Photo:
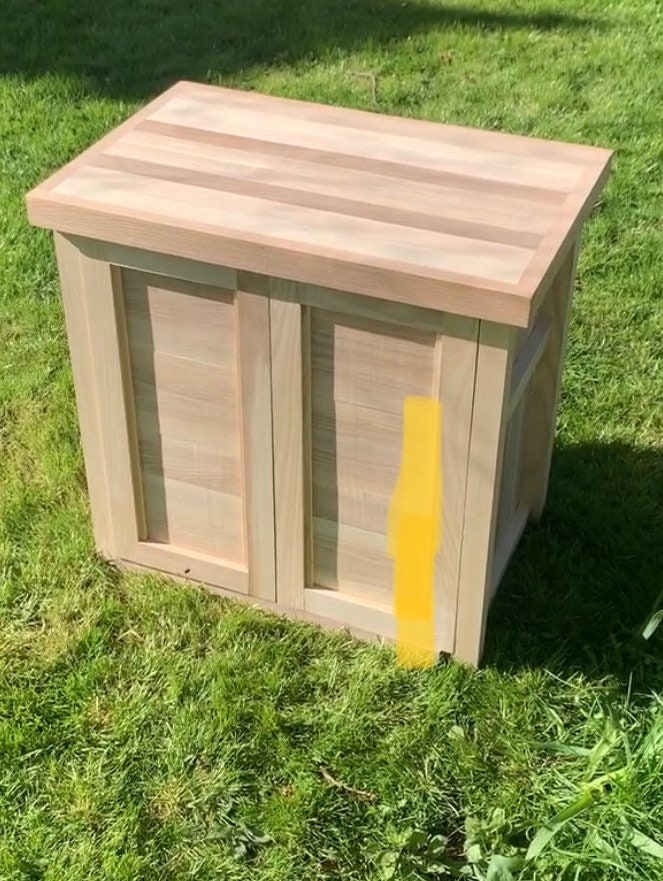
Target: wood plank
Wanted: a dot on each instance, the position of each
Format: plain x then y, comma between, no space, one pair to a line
180,319
466,160
187,417
350,611
352,560
391,313
306,228
363,362
179,146
526,362
188,565
193,517
256,440
307,440
182,356
157,264
196,239
83,366
457,352
545,387
418,213
512,144
509,497
350,502
344,191
114,402
191,462
202,381
482,496
288,433
362,372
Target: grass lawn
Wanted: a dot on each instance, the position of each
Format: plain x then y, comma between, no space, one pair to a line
150,731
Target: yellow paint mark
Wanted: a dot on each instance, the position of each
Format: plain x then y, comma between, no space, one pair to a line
414,530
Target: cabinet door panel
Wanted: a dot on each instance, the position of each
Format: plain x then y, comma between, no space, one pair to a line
362,372
187,441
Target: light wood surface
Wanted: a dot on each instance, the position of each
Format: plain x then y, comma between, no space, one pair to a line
113,392
173,384
530,353
156,264
255,401
182,347
545,386
362,371
453,219
486,458
82,359
255,288
288,416
454,378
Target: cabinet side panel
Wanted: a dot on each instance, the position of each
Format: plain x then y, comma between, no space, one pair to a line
182,341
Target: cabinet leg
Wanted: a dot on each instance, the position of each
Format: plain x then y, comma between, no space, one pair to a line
487,438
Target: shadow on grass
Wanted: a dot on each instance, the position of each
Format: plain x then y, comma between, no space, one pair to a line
585,579
134,49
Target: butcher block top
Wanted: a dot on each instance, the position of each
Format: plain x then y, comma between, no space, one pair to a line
455,219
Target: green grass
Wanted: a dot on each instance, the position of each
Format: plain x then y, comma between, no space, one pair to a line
149,731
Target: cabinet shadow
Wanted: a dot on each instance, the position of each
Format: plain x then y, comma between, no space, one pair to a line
585,579
134,50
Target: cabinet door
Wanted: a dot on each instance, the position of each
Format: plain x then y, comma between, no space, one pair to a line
183,396
344,376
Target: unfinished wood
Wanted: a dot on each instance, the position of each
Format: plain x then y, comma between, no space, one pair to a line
345,189
528,358
112,380
184,376
367,362
511,480
256,440
488,432
162,312
351,611
457,353
402,314
288,433
259,290
307,441
156,264
194,517
190,565
80,349
419,213
307,228
361,373
545,386
182,427
353,560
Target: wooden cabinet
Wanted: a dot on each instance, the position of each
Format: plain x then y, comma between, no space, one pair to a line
317,353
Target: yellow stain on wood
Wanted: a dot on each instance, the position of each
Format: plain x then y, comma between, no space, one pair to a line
414,530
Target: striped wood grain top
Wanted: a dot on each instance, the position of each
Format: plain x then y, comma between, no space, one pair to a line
455,219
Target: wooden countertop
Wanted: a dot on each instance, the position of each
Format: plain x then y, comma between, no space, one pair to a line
461,220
